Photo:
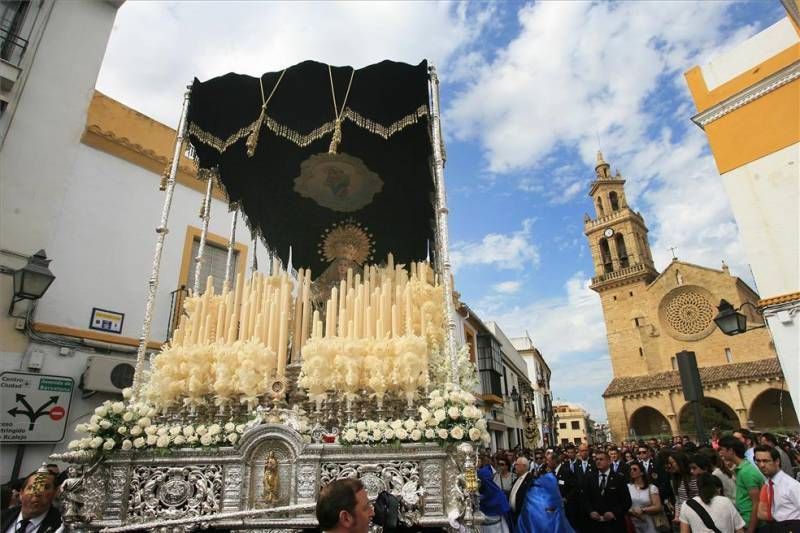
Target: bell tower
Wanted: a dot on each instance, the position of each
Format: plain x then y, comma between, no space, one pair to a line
617,235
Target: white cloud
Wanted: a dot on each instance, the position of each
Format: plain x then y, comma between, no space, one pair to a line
156,48
570,323
504,251
507,287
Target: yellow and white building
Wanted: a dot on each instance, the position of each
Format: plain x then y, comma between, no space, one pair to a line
748,104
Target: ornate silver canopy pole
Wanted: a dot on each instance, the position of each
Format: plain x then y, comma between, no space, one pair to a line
161,231
231,243
205,215
443,253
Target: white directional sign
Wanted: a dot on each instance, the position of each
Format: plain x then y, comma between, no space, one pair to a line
34,407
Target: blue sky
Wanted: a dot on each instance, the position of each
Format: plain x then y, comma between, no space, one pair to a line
529,91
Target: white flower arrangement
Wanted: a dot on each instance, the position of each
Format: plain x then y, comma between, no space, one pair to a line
450,416
116,426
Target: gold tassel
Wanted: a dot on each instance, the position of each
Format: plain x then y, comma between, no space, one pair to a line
252,139
162,186
337,137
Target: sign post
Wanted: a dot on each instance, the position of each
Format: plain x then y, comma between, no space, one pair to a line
35,407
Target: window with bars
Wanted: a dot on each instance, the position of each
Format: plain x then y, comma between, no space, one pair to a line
214,258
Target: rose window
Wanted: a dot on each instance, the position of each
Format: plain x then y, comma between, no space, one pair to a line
688,313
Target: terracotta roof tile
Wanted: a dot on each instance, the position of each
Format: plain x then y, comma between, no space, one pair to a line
708,375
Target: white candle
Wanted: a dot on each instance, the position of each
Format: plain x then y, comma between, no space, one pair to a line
282,340
395,322
333,302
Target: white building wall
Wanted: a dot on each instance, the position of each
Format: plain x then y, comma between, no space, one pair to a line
765,195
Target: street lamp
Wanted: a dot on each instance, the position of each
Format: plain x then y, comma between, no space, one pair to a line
514,394
730,321
32,280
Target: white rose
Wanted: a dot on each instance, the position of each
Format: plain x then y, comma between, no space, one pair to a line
377,434
401,433
233,437
74,444
388,434
151,440
213,429
122,430
151,430
371,425
481,424
191,439
109,444
435,393
475,434
396,424
127,417
162,441
409,424
439,415
175,431
127,392
152,412
135,431
188,431
230,427
350,435
92,428
363,436
81,428
361,426
486,439
138,443
179,439
416,435
96,442
105,424
117,407
424,414
201,430
457,433
454,413
442,433
421,425
101,411
430,434
127,445
206,439
162,431
240,428
431,422
437,403
144,422
94,419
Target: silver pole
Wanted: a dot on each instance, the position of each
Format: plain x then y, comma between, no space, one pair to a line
161,231
201,248
231,242
441,222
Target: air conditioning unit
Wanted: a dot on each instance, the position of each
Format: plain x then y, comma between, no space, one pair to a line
105,373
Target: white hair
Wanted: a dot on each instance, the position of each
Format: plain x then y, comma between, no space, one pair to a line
522,459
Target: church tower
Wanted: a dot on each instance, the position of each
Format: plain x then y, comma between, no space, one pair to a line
623,264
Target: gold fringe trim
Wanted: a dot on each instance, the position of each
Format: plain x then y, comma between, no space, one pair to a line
303,140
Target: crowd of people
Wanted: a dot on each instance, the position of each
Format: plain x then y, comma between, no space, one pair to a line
739,483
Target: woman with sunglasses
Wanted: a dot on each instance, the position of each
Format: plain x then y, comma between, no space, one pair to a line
645,500
504,478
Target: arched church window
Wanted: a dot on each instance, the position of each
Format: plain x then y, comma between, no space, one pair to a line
600,211
614,199
622,252
605,255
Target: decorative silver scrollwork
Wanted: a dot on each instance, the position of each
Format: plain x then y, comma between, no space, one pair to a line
400,478
175,492
306,481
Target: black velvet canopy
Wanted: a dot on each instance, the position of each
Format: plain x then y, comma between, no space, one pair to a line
384,125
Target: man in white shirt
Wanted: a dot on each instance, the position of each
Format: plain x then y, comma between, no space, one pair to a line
35,513
746,436
780,495
520,487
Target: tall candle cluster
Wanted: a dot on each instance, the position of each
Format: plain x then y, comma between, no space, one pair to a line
376,333
231,345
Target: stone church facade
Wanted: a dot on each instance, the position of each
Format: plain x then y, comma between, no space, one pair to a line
650,316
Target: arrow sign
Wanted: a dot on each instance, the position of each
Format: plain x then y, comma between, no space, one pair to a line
39,407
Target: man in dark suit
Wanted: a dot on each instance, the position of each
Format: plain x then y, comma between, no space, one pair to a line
521,486
605,498
618,466
568,487
645,456
583,464
35,512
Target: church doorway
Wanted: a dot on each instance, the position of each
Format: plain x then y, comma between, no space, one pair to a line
716,414
772,410
647,422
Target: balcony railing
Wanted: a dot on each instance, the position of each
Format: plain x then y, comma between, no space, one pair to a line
616,274
610,218
12,46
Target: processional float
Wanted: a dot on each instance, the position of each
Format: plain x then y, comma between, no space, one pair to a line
285,380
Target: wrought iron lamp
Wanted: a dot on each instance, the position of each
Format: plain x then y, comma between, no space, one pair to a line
730,321
32,280
514,394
